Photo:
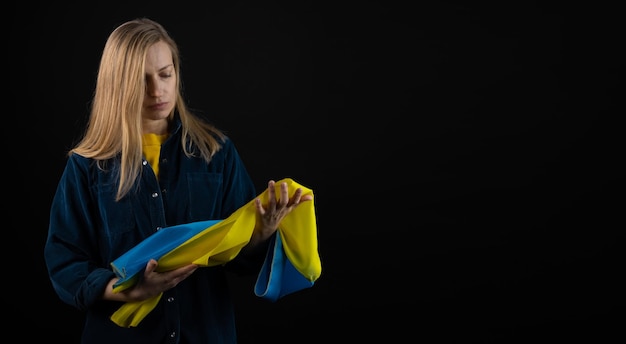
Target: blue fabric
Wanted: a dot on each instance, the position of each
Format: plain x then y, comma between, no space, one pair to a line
294,263
134,261
278,277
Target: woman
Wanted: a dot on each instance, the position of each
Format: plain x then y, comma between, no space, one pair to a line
146,162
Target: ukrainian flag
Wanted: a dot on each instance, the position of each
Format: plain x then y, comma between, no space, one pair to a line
292,263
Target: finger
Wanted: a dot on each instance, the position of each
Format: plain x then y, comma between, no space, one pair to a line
271,193
259,206
306,198
295,200
173,277
188,269
151,266
300,197
284,194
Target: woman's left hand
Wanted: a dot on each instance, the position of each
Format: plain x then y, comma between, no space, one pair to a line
272,213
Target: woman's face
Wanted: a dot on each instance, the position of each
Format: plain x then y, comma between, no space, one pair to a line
160,88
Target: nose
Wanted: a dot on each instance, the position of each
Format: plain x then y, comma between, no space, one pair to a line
154,88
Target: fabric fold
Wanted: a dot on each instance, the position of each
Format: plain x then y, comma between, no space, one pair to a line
278,277
291,264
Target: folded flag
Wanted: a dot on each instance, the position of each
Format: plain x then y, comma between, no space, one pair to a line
292,262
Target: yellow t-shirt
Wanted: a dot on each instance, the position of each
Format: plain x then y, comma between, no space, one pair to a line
151,144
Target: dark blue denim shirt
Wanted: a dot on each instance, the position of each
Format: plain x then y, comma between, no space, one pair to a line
89,229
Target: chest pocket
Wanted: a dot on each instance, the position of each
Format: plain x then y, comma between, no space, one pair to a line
117,216
205,195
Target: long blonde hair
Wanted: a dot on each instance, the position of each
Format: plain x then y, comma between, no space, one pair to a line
114,125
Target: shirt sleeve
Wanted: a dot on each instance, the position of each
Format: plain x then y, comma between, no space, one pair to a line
239,190
71,240
238,186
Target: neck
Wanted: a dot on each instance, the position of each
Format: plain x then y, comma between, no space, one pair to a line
158,127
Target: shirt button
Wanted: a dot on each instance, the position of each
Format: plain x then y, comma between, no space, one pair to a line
155,195
144,162
173,334
170,299
164,161
158,228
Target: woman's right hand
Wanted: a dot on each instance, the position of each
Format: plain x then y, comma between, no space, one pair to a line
151,284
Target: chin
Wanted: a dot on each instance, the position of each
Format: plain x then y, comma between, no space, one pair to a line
157,115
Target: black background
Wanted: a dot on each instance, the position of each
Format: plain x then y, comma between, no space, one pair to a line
464,158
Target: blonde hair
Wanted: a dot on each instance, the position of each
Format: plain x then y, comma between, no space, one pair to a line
114,125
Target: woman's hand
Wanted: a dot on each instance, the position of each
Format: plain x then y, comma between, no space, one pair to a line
151,284
272,213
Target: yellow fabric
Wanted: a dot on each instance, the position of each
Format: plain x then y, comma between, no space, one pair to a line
151,145
222,242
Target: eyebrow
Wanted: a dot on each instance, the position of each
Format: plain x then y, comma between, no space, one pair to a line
166,67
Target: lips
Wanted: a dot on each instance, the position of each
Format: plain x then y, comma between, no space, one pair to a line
158,106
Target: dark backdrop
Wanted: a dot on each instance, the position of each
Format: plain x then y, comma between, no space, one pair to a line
464,158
